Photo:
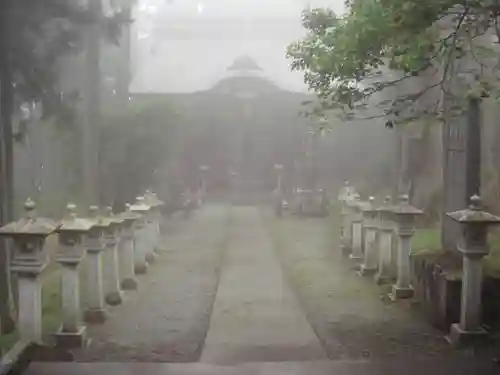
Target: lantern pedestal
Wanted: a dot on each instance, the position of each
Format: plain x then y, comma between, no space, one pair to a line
150,237
95,312
346,229
140,253
72,332
113,293
127,272
141,230
469,331
357,243
369,266
30,303
346,232
403,289
383,275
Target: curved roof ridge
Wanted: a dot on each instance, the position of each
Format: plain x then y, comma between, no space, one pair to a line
244,62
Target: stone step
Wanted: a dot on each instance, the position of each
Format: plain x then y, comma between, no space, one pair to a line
387,367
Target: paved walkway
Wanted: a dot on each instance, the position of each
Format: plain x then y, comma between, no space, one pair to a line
256,316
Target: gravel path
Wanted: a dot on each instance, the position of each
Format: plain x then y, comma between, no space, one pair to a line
166,320
348,312
256,316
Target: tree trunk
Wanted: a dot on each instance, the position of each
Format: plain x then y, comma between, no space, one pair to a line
92,109
6,165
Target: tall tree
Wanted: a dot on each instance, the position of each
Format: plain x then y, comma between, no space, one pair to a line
34,37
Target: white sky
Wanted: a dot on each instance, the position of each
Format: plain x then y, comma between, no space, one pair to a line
186,45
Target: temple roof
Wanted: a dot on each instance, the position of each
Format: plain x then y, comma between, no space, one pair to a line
244,63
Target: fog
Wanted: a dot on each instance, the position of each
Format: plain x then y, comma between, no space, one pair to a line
181,188
186,46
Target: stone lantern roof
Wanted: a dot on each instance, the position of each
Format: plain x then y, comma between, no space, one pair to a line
113,219
72,223
151,199
369,206
474,213
387,205
404,208
244,63
129,215
30,224
98,220
140,205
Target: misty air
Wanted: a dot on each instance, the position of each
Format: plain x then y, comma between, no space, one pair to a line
261,187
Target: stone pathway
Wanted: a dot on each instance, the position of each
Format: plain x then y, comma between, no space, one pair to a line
166,320
348,312
256,316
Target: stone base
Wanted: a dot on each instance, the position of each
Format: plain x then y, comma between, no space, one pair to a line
141,269
366,271
460,338
129,284
382,279
114,298
346,250
71,340
400,293
150,257
95,316
356,262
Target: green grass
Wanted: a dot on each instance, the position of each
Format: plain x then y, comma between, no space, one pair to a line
426,240
492,260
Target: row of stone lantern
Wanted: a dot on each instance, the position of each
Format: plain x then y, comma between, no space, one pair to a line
367,232
115,248
367,235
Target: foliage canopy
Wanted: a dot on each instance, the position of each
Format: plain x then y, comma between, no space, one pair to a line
347,59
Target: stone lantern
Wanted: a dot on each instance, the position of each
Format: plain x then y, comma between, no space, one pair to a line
158,204
29,260
95,311
112,291
141,235
203,188
404,215
386,230
345,220
369,212
153,226
70,254
278,192
473,245
126,250
232,185
357,230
